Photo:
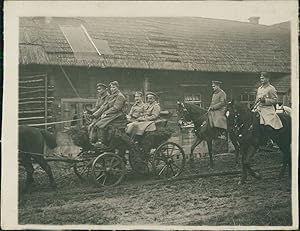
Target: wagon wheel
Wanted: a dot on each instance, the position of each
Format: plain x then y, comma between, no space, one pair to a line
168,160
108,169
82,169
139,164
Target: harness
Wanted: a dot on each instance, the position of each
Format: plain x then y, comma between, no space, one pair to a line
238,127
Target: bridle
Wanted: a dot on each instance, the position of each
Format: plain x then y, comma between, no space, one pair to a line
183,121
237,124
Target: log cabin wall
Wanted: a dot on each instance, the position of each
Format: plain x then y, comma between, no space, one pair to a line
35,99
170,85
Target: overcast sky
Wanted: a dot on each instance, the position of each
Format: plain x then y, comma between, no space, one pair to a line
270,12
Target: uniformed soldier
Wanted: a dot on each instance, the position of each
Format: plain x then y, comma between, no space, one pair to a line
266,99
115,110
137,109
146,122
217,109
100,107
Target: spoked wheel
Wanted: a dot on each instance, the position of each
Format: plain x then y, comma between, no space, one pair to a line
168,160
82,169
108,170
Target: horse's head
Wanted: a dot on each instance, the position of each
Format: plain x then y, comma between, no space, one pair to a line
190,113
238,115
183,114
232,114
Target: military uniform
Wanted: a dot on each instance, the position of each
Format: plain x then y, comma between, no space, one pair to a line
116,103
136,111
101,106
151,113
216,115
266,109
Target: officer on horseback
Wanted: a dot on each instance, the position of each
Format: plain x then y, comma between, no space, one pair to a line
217,109
266,100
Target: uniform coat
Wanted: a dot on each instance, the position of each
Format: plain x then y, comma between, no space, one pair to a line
151,113
116,104
266,109
101,106
136,111
216,115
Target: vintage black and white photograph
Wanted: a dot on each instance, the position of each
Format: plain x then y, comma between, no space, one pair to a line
183,118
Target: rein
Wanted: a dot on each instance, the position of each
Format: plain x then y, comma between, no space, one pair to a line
237,128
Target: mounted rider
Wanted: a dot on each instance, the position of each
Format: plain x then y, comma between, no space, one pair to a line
97,111
266,99
115,110
217,109
146,122
137,109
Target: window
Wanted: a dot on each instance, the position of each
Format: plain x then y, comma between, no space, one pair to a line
193,93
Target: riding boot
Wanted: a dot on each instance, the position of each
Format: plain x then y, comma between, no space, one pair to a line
101,138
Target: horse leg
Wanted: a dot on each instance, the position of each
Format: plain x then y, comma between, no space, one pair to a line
209,147
194,145
236,146
244,167
250,153
286,158
45,166
26,162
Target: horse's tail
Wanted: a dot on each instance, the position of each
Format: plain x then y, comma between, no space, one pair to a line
49,138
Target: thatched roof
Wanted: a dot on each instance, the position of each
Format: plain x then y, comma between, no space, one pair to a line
182,43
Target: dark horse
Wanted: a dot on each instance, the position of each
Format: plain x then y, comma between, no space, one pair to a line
251,134
31,148
188,112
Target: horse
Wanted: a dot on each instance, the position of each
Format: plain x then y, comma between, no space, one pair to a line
251,134
31,148
188,112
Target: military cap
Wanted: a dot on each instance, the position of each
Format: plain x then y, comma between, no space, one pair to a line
265,74
152,93
99,85
138,93
114,83
216,82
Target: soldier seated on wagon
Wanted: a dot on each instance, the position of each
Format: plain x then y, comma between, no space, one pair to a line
137,109
115,111
97,111
145,122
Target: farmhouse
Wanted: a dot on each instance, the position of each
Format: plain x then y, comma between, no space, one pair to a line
62,59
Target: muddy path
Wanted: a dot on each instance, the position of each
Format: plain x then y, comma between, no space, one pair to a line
213,200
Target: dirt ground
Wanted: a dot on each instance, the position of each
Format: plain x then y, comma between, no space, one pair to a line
190,200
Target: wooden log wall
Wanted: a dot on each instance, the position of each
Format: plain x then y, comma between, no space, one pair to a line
35,100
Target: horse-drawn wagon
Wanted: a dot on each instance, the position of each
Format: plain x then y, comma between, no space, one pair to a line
150,154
